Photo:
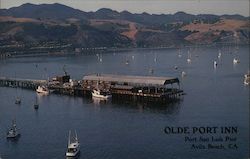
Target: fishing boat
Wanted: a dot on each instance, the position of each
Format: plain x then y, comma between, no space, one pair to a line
42,90
73,146
101,94
247,78
13,132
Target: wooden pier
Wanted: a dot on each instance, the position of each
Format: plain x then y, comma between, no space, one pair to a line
22,83
135,88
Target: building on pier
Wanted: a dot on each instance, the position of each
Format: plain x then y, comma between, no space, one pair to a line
136,87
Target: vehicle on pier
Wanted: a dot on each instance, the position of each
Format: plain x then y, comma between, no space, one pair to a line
73,149
13,132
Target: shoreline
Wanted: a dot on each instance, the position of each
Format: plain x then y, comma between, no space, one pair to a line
71,52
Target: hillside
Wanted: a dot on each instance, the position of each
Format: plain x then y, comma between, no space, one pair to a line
44,25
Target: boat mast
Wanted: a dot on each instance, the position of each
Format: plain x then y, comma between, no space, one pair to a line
69,138
76,136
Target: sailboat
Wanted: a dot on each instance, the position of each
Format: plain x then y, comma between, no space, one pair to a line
219,55
183,74
235,61
36,104
179,53
155,59
215,64
189,58
13,132
73,146
100,58
18,100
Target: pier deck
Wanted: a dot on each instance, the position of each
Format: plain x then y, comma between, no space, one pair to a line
125,87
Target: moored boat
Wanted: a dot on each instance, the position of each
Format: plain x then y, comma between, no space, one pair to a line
247,79
42,90
235,61
18,100
101,94
13,131
36,104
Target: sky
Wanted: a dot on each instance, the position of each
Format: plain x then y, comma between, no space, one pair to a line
218,7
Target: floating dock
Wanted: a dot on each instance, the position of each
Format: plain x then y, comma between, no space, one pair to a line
136,88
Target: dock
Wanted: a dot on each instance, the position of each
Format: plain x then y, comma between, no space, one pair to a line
21,83
135,88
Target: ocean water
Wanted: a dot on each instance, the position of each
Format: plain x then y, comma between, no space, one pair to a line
215,97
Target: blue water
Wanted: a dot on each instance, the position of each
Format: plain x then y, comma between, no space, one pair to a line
214,97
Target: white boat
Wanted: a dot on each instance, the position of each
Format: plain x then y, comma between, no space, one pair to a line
42,90
13,132
100,94
73,147
247,79
235,61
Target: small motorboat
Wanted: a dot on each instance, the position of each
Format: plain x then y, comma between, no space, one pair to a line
13,132
189,60
73,149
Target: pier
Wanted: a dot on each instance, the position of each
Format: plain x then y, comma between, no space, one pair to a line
135,88
21,83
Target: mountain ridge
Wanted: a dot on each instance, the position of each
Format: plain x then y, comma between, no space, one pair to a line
105,27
